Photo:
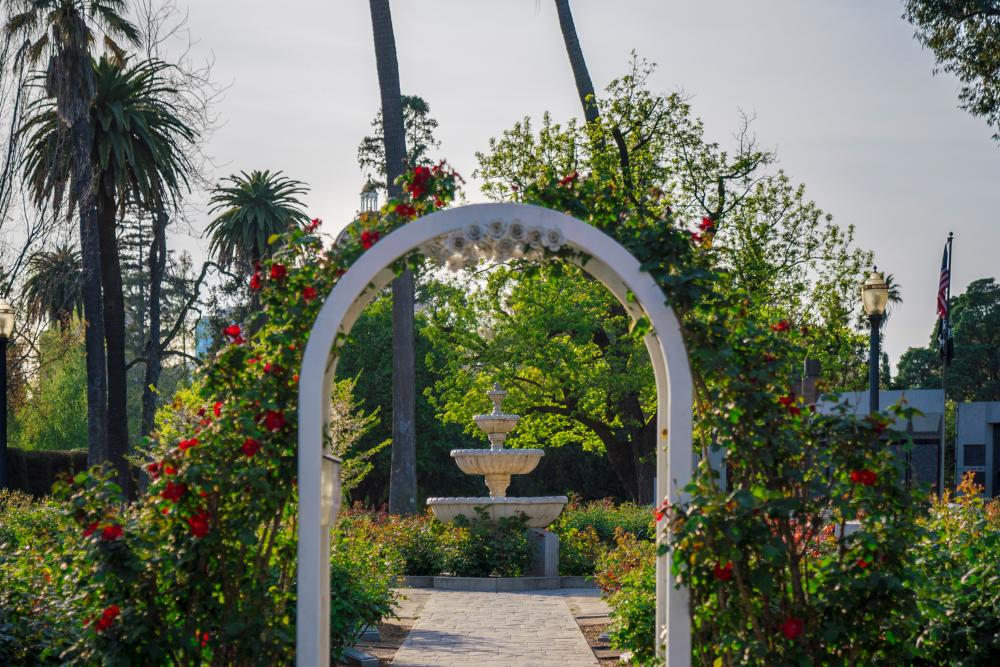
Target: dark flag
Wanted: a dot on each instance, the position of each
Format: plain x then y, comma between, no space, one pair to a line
946,343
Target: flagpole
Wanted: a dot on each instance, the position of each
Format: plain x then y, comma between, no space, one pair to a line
944,371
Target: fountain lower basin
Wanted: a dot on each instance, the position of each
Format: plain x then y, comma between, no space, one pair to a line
540,510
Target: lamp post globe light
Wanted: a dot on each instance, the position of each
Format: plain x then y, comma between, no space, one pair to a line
875,297
6,329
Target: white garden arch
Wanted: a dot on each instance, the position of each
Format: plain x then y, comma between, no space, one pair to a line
602,257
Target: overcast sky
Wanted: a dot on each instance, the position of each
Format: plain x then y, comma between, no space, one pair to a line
840,90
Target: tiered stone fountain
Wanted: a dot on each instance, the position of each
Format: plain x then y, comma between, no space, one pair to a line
497,465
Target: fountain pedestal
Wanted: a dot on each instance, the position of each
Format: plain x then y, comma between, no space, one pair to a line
497,465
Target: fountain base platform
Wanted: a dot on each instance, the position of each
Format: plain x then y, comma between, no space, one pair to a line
540,510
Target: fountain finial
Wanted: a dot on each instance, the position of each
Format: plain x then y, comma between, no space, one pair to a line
496,424
496,395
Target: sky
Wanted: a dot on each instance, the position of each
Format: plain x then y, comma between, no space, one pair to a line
840,90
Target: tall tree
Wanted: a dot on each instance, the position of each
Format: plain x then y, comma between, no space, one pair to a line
584,86
965,38
65,31
139,159
403,476
419,128
52,287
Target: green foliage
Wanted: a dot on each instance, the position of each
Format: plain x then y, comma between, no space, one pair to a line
965,38
422,544
606,518
957,582
579,550
633,615
361,594
418,128
55,417
52,289
492,548
22,519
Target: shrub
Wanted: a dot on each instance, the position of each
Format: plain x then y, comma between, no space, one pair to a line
422,544
957,580
633,614
629,553
24,520
579,551
605,517
361,577
491,548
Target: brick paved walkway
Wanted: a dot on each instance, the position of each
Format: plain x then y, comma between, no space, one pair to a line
498,629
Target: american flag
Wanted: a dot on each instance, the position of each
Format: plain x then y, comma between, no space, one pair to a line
943,284
946,343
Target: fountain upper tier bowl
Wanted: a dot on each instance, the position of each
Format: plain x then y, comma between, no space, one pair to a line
497,461
541,511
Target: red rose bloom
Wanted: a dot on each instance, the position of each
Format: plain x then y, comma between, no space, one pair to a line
865,477
250,447
418,186
695,237
107,617
569,178
787,400
723,572
274,420
111,532
370,238
792,627
153,469
255,281
405,210
185,445
278,272
198,523
660,513
862,563
234,333
794,410
173,492
217,409
780,326
313,224
707,224
169,469
309,293
89,530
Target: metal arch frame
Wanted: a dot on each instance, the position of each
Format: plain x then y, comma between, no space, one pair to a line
607,261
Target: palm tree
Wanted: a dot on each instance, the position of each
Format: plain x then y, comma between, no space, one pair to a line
584,86
52,289
251,209
403,471
139,159
64,30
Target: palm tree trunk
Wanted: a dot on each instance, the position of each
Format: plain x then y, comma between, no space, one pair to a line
82,134
584,86
114,338
157,262
403,471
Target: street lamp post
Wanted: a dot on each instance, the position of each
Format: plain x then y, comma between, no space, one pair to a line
874,296
6,329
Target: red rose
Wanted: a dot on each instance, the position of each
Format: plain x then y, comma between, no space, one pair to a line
111,532
198,523
660,512
309,293
217,409
787,400
794,410
153,469
274,420
233,331
89,530
185,445
313,224
418,186
707,224
255,281
865,477
107,617
169,469
173,492
251,361
250,447
369,238
780,326
569,178
405,210
862,563
723,572
278,272
695,237
438,202
792,627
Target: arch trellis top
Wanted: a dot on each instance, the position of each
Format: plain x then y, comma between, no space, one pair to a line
445,236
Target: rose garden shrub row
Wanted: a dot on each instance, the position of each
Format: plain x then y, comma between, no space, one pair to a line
953,574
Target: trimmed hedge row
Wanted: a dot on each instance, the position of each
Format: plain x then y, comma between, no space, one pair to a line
34,472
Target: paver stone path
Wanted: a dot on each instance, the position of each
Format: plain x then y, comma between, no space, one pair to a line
508,629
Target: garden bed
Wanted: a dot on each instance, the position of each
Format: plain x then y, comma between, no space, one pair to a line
496,584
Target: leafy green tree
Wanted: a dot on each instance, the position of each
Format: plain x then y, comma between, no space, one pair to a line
420,140
965,38
251,209
555,340
66,31
974,372
139,153
55,416
52,288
